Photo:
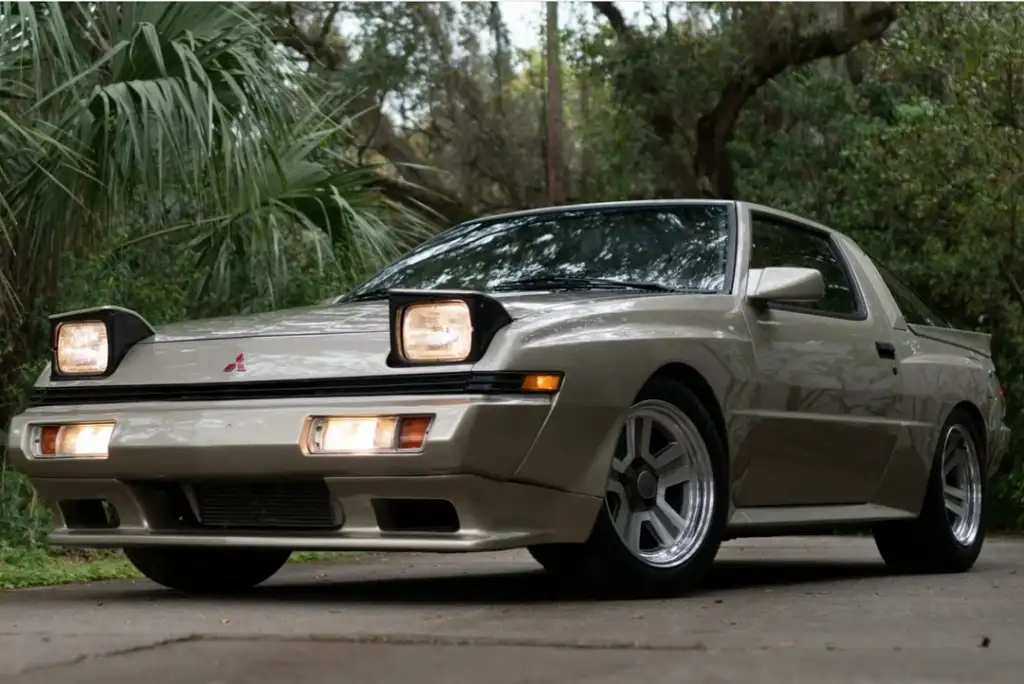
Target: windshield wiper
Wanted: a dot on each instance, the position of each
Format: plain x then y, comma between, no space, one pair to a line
571,283
551,283
378,293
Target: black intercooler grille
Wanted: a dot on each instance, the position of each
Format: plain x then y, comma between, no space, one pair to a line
504,382
255,505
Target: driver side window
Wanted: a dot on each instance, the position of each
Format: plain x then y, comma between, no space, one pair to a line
776,243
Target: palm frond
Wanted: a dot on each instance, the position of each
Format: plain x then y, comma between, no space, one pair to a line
121,110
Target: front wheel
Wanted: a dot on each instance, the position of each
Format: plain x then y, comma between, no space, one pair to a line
948,534
201,570
665,503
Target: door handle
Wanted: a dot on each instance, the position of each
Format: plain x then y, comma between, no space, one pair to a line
885,350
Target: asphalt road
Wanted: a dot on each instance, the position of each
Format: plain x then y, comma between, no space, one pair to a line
783,611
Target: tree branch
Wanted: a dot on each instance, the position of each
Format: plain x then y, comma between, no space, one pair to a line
614,16
436,203
715,128
316,48
325,28
373,131
290,12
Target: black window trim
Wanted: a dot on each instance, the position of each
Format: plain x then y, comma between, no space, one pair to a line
861,314
731,213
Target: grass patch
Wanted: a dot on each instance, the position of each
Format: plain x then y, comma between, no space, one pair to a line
38,568
21,569
321,556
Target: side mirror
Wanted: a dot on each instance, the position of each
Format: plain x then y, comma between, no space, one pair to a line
785,284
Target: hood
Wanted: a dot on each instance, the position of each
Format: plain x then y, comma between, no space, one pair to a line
353,317
357,317
349,340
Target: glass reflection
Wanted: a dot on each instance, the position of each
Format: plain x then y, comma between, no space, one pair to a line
779,244
682,247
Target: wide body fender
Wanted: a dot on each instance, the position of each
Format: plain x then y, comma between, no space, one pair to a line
608,354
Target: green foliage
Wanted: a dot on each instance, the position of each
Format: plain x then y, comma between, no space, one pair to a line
190,121
32,567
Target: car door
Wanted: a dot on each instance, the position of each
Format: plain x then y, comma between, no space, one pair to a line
825,415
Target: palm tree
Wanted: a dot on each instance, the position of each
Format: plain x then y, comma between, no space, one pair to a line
130,121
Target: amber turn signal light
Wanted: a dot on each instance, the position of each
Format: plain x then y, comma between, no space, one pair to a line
541,382
412,432
48,440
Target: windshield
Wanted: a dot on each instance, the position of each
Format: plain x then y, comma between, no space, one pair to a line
679,247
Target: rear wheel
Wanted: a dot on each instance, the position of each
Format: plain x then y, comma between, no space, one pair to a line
948,534
201,570
665,503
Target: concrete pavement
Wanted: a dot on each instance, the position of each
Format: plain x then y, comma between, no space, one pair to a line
775,610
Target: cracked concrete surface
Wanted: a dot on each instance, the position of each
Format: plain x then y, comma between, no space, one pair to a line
774,610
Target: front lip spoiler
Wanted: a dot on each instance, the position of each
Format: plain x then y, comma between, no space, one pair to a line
423,542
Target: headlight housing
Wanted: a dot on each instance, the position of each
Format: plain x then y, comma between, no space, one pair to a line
91,343
75,440
353,435
439,332
438,327
82,348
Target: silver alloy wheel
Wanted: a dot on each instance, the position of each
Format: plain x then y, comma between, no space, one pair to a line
661,489
961,484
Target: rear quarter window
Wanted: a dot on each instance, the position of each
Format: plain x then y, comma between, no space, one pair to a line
913,308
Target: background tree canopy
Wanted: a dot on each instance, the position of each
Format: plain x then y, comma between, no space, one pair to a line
194,159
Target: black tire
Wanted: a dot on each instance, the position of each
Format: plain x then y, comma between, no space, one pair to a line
203,570
927,544
603,564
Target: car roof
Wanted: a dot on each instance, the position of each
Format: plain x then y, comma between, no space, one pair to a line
752,206
626,204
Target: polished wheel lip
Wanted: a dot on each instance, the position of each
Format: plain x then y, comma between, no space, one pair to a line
961,484
679,530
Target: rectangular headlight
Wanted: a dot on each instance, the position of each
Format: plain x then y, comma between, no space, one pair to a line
437,331
82,348
78,440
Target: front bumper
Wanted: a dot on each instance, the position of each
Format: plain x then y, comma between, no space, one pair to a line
487,516
482,435
159,452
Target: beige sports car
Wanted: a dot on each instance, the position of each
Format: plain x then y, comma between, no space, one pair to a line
616,387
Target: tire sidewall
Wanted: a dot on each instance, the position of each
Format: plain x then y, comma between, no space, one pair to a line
936,500
617,559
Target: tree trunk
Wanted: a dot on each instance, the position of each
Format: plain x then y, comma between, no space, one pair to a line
555,164
499,56
585,159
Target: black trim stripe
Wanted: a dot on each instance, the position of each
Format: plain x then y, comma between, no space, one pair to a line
398,385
